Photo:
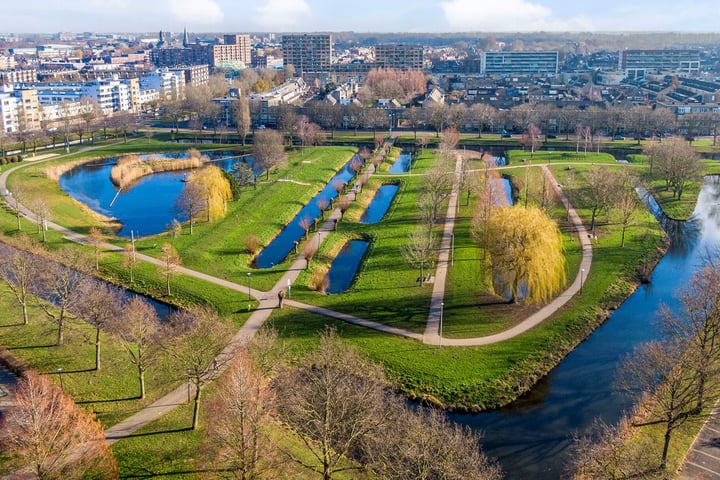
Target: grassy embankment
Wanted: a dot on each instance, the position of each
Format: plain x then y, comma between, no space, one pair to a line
482,376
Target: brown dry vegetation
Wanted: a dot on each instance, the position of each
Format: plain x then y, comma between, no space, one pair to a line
129,168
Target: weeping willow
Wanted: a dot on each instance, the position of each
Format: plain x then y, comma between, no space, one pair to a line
526,248
216,190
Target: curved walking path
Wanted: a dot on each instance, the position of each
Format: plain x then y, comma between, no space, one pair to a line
268,300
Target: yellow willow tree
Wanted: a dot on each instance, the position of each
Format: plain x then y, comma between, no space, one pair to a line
526,249
216,190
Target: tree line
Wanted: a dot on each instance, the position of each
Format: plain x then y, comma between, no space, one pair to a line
674,381
335,400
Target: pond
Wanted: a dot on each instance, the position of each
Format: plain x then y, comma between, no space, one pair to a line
531,436
402,164
380,204
344,267
280,246
147,207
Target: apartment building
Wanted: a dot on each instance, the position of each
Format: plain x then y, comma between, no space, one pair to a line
8,77
307,52
235,51
519,63
19,110
639,63
194,75
168,84
404,57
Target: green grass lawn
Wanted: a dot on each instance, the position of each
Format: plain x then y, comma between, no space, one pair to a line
111,392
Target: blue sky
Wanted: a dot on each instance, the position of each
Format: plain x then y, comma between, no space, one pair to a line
359,16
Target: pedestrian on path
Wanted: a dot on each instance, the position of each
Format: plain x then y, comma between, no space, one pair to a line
281,298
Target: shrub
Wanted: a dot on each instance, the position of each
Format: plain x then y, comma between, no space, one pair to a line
252,244
320,281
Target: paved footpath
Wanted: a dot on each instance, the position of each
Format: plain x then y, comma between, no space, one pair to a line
702,461
268,301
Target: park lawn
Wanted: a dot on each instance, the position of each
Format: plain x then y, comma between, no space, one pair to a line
218,248
472,309
111,392
32,183
169,447
385,289
519,157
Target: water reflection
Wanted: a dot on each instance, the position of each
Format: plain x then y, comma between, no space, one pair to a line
402,164
284,242
344,267
531,436
147,207
380,204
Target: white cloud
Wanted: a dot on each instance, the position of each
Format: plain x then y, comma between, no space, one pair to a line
281,14
204,12
505,15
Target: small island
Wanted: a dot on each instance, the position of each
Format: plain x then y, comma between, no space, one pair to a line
131,167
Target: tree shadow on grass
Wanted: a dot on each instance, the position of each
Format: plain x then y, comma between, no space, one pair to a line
110,400
149,434
145,473
33,346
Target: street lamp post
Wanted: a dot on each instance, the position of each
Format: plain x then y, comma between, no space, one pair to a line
452,249
59,372
249,274
442,306
582,274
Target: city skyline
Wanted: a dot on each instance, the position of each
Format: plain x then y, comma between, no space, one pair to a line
432,16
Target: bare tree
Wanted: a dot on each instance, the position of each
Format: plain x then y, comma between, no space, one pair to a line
664,373
268,150
95,238
436,186
138,331
305,223
171,262
482,116
419,252
676,162
323,205
415,118
239,428
194,340
19,270
531,138
46,433
697,324
99,304
63,285
287,119
423,443
129,260
309,252
604,453
308,132
192,202
597,195
334,399
242,117
624,199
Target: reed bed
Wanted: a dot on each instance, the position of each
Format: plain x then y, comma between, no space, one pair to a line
130,168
